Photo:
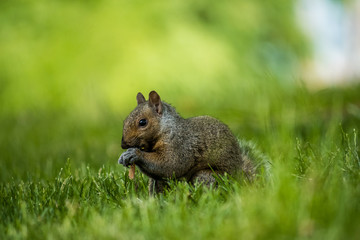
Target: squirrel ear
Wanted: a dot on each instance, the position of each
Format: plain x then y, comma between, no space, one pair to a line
155,101
140,98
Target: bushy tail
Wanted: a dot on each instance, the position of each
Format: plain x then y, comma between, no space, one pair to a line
260,163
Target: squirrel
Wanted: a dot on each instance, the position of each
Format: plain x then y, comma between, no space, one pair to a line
164,145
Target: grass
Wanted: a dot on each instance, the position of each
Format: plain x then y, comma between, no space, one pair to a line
69,74
312,193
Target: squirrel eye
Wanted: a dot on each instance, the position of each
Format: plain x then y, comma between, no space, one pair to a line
142,122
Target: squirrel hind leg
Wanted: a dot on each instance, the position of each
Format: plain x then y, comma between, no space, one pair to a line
205,177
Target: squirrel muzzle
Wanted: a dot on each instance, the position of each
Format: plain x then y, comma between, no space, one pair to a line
124,144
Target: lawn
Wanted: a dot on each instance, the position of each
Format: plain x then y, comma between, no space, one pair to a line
60,178
69,75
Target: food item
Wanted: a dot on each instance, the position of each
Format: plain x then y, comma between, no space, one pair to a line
132,172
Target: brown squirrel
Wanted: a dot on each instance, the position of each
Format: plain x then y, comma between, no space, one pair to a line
164,145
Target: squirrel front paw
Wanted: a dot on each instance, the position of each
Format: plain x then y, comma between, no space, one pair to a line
129,157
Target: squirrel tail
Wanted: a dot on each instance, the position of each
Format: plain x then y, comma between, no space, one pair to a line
261,163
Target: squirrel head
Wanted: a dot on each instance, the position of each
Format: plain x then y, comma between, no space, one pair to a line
142,127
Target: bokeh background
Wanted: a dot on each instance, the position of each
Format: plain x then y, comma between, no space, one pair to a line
70,71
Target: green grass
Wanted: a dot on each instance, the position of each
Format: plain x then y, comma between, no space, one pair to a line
69,74
313,191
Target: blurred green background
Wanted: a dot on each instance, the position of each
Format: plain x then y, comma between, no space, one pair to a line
70,71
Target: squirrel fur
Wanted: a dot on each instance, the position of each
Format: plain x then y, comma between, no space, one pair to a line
164,145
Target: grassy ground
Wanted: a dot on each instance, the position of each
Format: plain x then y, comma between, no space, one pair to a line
69,74
60,178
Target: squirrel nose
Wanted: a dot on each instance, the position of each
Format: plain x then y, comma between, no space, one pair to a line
124,145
